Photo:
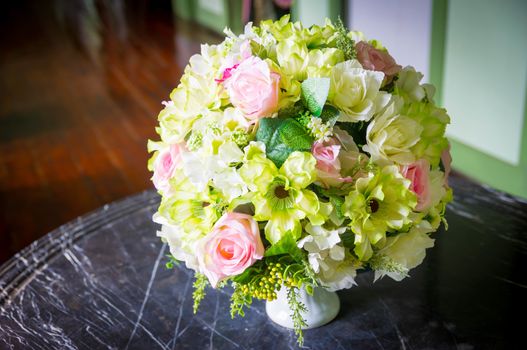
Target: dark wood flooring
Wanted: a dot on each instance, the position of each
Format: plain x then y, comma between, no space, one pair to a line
80,89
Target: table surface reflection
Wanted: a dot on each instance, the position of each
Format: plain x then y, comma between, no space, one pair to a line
100,282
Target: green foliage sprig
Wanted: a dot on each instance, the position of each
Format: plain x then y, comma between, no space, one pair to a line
303,118
172,262
344,42
200,283
239,300
297,309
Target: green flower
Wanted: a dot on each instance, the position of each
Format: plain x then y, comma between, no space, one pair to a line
379,202
291,56
188,208
322,61
290,87
314,36
280,29
408,85
280,195
197,92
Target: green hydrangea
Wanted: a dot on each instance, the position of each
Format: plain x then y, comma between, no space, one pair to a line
433,121
188,208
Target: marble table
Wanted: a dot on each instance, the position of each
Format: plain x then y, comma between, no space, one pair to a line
100,282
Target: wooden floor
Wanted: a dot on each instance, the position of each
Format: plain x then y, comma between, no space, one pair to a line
80,89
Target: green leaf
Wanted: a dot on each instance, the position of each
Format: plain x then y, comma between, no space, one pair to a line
286,245
292,111
295,136
348,239
335,197
314,93
244,277
330,115
247,275
282,137
337,202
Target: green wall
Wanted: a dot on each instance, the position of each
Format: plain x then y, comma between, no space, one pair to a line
479,63
311,12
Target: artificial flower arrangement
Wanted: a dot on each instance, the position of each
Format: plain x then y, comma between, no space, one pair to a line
293,157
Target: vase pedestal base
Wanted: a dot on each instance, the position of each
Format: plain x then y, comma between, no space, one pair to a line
322,308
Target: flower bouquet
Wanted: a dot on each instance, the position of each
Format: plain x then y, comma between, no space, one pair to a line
291,158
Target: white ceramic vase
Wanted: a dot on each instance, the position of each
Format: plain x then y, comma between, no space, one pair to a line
322,307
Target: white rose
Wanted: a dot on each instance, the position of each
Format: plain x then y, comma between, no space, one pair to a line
355,91
390,136
408,84
407,249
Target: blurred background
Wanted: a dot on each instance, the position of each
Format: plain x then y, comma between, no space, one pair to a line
81,84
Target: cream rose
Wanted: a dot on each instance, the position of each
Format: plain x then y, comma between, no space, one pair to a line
355,91
408,250
391,135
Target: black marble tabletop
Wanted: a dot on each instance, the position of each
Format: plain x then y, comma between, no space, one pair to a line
100,282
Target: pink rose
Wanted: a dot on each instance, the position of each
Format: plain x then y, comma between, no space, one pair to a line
253,88
328,163
233,245
446,159
338,159
326,155
418,173
372,59
328,166
165,164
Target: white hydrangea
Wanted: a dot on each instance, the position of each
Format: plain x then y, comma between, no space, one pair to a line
180,242
327,258
339,274
218,168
